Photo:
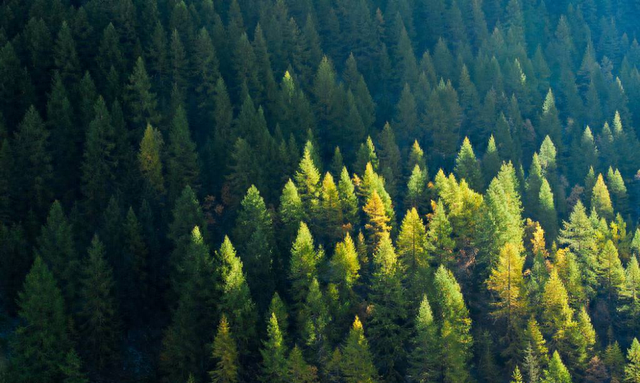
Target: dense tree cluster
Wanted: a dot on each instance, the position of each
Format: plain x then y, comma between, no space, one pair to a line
353,191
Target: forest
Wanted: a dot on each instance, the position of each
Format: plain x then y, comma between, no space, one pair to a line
311,191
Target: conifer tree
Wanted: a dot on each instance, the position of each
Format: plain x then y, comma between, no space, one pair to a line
610,272
491,160
254,234
149,158
424,359
630,296
377,220
416,188
141,99
98,167
387,330
356,362
56,248
99,321
274,362
236,297
439,241
632,369
557,372
549,121
184,348
225,354
42,340
307,180
291,211
547,213
331,210
614,360
182,163
600,199
506,282
349,201
314,319
517,376
298,370
412,253
468,167
455,326
32,158
304,264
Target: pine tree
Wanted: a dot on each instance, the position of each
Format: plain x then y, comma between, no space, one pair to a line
236,298
99,320
600,199
331,210
415,197
491,160
307,180
225,354
149,158
468,167
454,329
274,362
291,211
356,362
517,376
549,121
424,359
42,340
313,319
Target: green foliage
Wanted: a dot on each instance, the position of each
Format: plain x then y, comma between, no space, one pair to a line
225,354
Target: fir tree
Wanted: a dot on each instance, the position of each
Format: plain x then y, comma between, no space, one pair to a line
424,359
149,158
412,252
141,99
439,241
304,264
378,221
632,369
600,199
298,370
182,163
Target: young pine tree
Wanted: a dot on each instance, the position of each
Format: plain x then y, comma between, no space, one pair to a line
225,355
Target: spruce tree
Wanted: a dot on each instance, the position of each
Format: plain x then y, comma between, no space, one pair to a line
557,372
632,369
141,99
303,265
298,370
291,211
439,241
547,213
349,201
412,253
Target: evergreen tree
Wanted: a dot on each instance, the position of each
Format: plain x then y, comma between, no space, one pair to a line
424,359
298,370
557,372
99,321
629,296
412,253
303,265
378,221
356,362
274,362
387,330
182,162
439,241
632,369
150,161
547,214
98,167
225,355
254,234
468,167
141,99
42,340
236,297
600,199
455,326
